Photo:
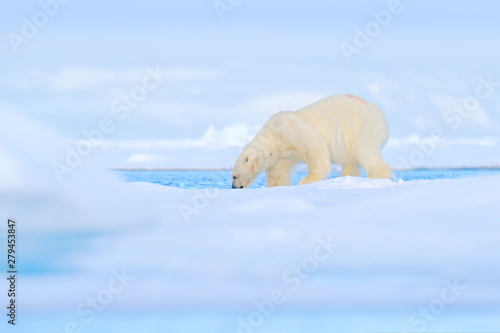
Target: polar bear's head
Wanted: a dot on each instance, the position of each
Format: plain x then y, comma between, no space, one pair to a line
260,154
246,168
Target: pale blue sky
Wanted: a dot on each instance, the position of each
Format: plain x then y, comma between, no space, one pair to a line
264,57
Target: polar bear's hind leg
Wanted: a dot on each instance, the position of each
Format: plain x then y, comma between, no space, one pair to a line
352,168
372,161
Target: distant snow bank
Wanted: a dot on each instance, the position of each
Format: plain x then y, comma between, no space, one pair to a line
219,148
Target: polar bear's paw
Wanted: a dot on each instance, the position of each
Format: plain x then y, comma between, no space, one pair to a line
383,171
310,179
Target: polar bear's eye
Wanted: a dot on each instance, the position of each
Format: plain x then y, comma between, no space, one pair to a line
246,160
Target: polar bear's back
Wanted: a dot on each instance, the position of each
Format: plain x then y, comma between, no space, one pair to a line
344,119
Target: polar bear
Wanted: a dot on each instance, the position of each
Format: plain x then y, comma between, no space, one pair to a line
340,129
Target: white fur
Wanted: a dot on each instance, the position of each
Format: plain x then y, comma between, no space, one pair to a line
341,129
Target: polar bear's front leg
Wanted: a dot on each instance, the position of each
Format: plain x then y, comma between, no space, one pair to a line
280,174
318,164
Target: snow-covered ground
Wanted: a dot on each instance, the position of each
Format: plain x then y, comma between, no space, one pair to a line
351,253
337,252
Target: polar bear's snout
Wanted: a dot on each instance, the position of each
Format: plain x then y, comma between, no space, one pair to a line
244,171
236,183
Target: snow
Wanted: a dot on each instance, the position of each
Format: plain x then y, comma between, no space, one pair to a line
397,242
197,251
353,183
